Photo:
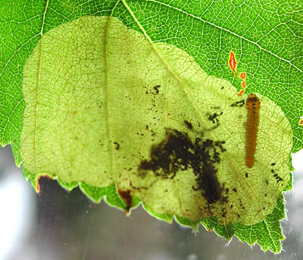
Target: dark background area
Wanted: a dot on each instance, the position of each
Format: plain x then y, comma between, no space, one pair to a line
57,224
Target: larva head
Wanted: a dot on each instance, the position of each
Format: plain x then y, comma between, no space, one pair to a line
252,101
252,98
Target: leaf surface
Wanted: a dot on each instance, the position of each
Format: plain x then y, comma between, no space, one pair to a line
104,101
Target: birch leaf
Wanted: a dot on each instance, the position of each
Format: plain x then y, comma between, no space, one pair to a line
121,110
143,107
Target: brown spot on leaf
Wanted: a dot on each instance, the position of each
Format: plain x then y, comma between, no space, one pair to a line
127,197
214,117
117,145
177,153
238,103
156,88
188,124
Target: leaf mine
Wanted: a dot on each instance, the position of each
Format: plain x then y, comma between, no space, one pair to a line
106,106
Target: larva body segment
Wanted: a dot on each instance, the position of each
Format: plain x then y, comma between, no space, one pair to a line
252,124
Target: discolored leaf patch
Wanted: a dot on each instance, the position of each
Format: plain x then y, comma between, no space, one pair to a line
178,153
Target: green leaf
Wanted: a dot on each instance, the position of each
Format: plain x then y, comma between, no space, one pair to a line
95,113
84,122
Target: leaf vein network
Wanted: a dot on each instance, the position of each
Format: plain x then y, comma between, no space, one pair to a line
231,32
